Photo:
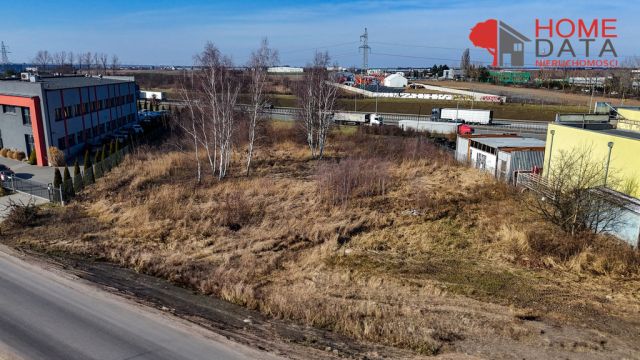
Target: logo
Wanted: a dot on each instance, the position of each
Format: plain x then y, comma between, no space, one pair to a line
558,43
503,42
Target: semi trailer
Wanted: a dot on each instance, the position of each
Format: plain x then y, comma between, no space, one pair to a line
471,116
345,118
436,127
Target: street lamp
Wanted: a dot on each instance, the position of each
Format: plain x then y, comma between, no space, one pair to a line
377,85
553,133
606,170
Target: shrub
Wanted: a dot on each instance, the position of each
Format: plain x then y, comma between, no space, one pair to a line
20,215
88,170
11,154
19,155
67,184
78,182
32,158
56,157
237,212
339,183
57,178
3,152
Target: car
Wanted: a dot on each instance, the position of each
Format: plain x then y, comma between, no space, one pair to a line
5,170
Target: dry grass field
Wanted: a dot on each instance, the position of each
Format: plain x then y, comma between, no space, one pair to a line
387,240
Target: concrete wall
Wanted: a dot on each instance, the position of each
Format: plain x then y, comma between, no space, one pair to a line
625,161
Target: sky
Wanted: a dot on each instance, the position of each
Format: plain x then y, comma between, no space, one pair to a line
401,33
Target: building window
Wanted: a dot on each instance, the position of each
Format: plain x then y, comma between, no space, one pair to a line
58,114
9,109
29,143
80,137
517,47
62,143
481,161
26,116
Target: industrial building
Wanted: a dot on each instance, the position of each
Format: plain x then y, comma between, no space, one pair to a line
501,155
67,112
617,150
285,70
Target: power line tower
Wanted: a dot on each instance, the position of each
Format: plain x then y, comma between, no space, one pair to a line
4,60
366,49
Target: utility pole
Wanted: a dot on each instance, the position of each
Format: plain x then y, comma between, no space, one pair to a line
4,60
366,49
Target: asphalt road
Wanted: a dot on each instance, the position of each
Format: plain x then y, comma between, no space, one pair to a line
50,315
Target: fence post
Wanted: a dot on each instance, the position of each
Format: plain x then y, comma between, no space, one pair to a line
13,183
61,197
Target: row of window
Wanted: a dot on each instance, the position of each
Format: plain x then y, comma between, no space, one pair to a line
483,147
70,111
86,135
25,112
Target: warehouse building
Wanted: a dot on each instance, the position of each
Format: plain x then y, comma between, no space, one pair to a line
616,150
502,155
67,112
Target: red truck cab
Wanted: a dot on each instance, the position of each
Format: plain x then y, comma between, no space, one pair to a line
465,129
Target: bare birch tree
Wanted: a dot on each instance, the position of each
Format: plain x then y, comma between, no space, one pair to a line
261,59
190,124
316,99
210,97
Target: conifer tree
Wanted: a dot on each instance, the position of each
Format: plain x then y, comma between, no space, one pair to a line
78,182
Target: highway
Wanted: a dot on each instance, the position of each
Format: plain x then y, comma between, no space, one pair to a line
51,315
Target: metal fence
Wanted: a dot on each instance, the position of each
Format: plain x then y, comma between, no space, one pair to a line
57,195
46,192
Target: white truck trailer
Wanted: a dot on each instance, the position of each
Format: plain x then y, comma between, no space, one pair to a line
348,118
475,116
436,127
149,95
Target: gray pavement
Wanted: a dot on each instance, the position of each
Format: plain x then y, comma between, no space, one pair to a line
40,174
51,315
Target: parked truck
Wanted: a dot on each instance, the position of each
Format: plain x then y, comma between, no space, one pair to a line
436,127
345,118
471,116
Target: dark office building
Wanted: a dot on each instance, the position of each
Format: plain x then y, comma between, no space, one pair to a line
67,112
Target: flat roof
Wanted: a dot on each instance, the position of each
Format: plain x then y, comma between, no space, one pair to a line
635,135
509,142
624,133
65,82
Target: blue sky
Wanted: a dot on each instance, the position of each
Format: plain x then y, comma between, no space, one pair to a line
402,32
